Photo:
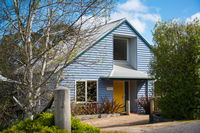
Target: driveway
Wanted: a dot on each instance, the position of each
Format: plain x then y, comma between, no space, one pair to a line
136,123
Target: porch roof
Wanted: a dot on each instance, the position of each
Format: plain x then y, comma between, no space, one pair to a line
122,70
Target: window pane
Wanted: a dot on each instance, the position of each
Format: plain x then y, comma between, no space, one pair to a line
91,91
120,49
80,91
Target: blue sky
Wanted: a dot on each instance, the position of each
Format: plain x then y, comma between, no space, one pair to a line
143,14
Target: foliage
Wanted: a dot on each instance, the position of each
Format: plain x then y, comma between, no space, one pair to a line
109,106
78,127
44,123
145,103
156,108
176,69
84,109
105,107
9,52
9,111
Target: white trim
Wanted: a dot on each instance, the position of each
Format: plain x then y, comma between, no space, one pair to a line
127,48
97,90
136,64
86,91
75,91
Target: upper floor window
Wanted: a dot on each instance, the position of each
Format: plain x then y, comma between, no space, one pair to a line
120,49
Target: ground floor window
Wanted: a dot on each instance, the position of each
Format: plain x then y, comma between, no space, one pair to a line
86,91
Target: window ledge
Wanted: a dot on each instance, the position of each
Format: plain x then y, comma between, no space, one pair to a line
120,62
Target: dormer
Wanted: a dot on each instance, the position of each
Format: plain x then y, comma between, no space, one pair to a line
124,50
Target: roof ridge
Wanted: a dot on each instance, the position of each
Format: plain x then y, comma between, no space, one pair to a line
123,20
113,22
117,20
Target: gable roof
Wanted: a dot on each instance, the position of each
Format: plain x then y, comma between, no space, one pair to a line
100,33
106,29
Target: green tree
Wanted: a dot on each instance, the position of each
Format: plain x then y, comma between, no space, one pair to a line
9,52
176,69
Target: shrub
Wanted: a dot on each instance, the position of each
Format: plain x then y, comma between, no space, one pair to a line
78,127
84,109
109,106
45,119
10,112
176,69
144,102
44,123
105,107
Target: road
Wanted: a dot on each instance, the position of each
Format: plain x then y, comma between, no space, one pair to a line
185,127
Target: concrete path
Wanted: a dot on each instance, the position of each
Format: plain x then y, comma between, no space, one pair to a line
118,121
136,123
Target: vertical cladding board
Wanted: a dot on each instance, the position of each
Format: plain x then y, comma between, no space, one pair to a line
144,57
124,30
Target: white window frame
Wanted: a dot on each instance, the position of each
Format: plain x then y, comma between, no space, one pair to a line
127,47
97,91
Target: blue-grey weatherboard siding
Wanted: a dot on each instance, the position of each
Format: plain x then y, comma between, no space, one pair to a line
97,61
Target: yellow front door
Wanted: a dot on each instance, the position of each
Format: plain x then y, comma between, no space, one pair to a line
119,93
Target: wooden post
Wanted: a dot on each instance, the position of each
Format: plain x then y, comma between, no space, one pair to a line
128,107
146,89
62,108
151,106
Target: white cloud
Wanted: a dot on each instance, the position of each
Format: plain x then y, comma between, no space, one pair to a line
89,22
149,17
135,21
193,17
139,25
136,13
133,5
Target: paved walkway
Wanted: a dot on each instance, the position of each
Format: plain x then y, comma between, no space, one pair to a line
136,123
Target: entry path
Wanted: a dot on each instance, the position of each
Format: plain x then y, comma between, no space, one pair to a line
136,123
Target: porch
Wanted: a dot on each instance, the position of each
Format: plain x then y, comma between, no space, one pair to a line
128,85
126,92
